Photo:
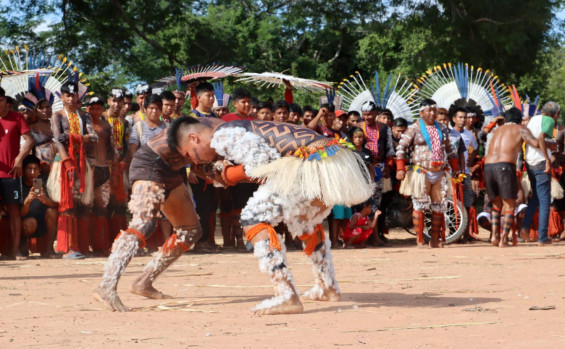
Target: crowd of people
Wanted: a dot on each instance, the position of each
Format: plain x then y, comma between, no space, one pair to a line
65,176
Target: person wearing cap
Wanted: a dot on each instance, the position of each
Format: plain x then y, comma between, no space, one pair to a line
142,91
379,142
73,133
425,180
101,154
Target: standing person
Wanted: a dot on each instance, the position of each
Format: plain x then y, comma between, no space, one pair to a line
121,128
426,183
142,131
73,134
265,112
241,192
128,100
180,100
538,165
308,114
353,119
168,110
471,147
379,141
323,121
242,103
281,113
142,91
102,154
500,173
399,126
205,96
294,113
13,127
42,134
301,198
205,193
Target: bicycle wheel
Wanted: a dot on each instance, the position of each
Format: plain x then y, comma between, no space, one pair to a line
455,225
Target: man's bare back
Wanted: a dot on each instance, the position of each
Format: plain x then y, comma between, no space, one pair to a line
506,143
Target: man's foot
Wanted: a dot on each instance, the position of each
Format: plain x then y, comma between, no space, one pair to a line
504,242
50,255
109,300
317,293
292,306
147,291
525,235
544,243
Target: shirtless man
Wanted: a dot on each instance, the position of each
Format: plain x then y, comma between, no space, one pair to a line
72,132
101,154
301,198
156,173
128,100
500,172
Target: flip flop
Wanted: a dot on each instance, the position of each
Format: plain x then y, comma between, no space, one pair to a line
74,255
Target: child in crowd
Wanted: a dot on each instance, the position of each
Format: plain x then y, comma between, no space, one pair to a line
308,114
281,111
360,226
294,113
357,138
265,112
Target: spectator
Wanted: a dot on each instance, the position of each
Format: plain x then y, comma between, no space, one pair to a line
538,165
307,115
11,159
281,111
265,112
294,113
353,119
38,211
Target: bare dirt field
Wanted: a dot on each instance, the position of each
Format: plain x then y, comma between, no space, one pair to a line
461,296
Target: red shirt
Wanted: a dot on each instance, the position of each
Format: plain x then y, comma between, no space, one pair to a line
233,116
12,127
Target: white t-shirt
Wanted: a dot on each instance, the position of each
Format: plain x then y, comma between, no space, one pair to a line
470,143
539,124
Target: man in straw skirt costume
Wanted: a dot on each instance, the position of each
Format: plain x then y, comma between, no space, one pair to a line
301,174
425,179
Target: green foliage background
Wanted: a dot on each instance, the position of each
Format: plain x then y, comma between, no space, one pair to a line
122,42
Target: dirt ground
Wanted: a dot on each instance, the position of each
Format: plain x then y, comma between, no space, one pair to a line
462,296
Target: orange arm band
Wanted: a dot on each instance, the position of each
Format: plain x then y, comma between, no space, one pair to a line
491,125
234,174
400,164
454,164
389,162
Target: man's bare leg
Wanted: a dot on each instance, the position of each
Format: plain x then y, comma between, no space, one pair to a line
179,210
273,261
495,224
51,229
145,201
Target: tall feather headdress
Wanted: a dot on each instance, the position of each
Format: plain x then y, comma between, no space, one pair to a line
398,96
269,79
464,85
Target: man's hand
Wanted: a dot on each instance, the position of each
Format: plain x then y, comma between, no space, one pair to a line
400,174
547,167
30,197
41,196
16,171
192,178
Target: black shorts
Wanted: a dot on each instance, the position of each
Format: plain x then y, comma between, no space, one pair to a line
10,191
148,166
240,194
500,180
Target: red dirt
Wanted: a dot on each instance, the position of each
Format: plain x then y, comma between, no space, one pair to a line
465,296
